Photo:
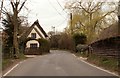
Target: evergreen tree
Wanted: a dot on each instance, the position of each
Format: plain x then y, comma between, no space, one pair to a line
8,43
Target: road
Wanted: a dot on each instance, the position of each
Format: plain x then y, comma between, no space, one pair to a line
57,63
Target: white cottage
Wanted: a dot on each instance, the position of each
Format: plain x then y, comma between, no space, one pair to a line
34,33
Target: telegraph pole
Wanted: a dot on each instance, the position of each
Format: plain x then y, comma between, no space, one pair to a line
53,27
119,17
118,35
71,28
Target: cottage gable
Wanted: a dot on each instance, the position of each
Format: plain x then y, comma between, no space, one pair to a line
35,31
31,38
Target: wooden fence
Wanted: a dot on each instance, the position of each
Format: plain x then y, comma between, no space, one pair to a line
109,47
33,51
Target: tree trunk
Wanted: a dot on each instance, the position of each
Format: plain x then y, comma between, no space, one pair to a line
15,39
15,23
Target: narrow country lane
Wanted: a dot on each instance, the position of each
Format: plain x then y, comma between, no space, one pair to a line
57,63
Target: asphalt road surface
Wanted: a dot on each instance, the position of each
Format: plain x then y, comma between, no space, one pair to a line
57,63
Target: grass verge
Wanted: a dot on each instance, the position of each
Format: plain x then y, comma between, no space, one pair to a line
107,63
7,62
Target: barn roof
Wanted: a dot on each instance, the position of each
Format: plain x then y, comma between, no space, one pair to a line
109,32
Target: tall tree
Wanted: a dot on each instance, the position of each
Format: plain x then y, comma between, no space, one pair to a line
90,17
16,10
9,31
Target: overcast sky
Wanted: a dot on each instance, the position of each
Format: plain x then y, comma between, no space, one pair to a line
48,12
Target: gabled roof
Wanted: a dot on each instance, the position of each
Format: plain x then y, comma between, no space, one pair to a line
36,23
111,31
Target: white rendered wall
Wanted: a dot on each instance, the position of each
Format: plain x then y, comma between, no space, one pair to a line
39,31
33,31
32,42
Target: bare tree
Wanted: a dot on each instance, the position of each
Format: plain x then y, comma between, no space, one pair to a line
16,10
89,17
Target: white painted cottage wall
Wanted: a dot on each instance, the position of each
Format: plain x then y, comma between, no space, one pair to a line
37,37
32,41
39,31
33,31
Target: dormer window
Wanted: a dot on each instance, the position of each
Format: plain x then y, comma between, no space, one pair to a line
33,35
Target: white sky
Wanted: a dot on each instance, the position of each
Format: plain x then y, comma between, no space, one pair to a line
48,12
45,12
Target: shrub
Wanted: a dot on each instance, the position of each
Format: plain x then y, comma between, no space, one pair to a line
44,45
79,38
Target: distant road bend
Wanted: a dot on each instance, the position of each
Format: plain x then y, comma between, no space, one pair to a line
57,63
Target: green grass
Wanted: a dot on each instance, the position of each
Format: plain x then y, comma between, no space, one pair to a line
9,61
6,63
104,62
0,64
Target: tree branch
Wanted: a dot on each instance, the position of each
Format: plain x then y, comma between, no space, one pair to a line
103,17
83,7
106,14
22,6
6,13
95,25
97,6
12,5
81,24
89,6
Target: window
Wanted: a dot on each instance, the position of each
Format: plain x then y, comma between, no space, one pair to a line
33,45
33,35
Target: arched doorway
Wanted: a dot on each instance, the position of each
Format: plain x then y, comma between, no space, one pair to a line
32,47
